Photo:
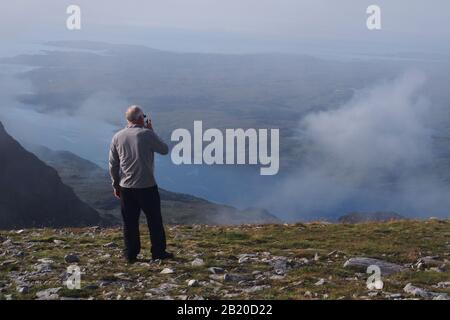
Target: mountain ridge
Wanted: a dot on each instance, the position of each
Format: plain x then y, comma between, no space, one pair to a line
92,184
33,195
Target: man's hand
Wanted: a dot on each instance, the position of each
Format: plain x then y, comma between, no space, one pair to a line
149,125
117,192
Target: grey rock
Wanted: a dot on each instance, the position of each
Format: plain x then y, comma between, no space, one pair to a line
7,243
163,289
256,288
217,277
431,263
362,263
193,283
7,263
48,294
198,262
246,257
442,296
47,261
43,267
167,271
71,258
228,277
419,292
216,270
443,285
111,245
20,254
321,282
23,289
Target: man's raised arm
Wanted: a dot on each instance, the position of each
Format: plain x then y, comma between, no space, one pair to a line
157,144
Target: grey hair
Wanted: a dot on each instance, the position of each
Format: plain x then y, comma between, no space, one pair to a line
134,113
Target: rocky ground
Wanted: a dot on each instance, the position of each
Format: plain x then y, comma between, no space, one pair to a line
296,261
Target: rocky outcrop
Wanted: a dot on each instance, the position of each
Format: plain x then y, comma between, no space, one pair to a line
33,195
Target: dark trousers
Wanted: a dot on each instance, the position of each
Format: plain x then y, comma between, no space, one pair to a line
132,201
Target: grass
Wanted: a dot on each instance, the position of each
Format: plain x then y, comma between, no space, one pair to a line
398,242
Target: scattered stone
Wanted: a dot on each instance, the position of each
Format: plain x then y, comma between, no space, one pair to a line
45,260
442,296
122,276
105,283
443,285
7,243
111,245
192,283
255,288
321,282
216,270
394,296
280,265
277,277
20,231
374,293
7,263
71,258
48,294
430,262
217,277
167,271
227,277
362,263
198,262
23,289
246,257
419,292
163,289
20,254
43,267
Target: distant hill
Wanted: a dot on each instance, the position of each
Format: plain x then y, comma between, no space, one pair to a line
92,184
33,195
379,216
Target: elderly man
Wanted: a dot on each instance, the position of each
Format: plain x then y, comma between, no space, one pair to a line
131,165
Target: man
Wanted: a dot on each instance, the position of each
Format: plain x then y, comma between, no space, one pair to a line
131,165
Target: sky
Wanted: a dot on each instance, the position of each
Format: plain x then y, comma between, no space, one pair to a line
234,25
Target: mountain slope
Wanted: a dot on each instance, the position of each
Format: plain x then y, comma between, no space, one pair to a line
33,195
93,185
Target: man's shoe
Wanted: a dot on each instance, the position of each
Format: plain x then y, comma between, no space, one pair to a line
165,255
131,261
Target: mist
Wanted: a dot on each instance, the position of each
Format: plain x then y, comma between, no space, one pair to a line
86,132
374,153
235,26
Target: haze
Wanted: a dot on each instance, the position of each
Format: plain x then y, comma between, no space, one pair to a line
234,25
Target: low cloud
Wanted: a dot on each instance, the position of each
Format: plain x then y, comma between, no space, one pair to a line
373,153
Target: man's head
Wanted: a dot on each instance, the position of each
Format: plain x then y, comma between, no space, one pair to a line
135,115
